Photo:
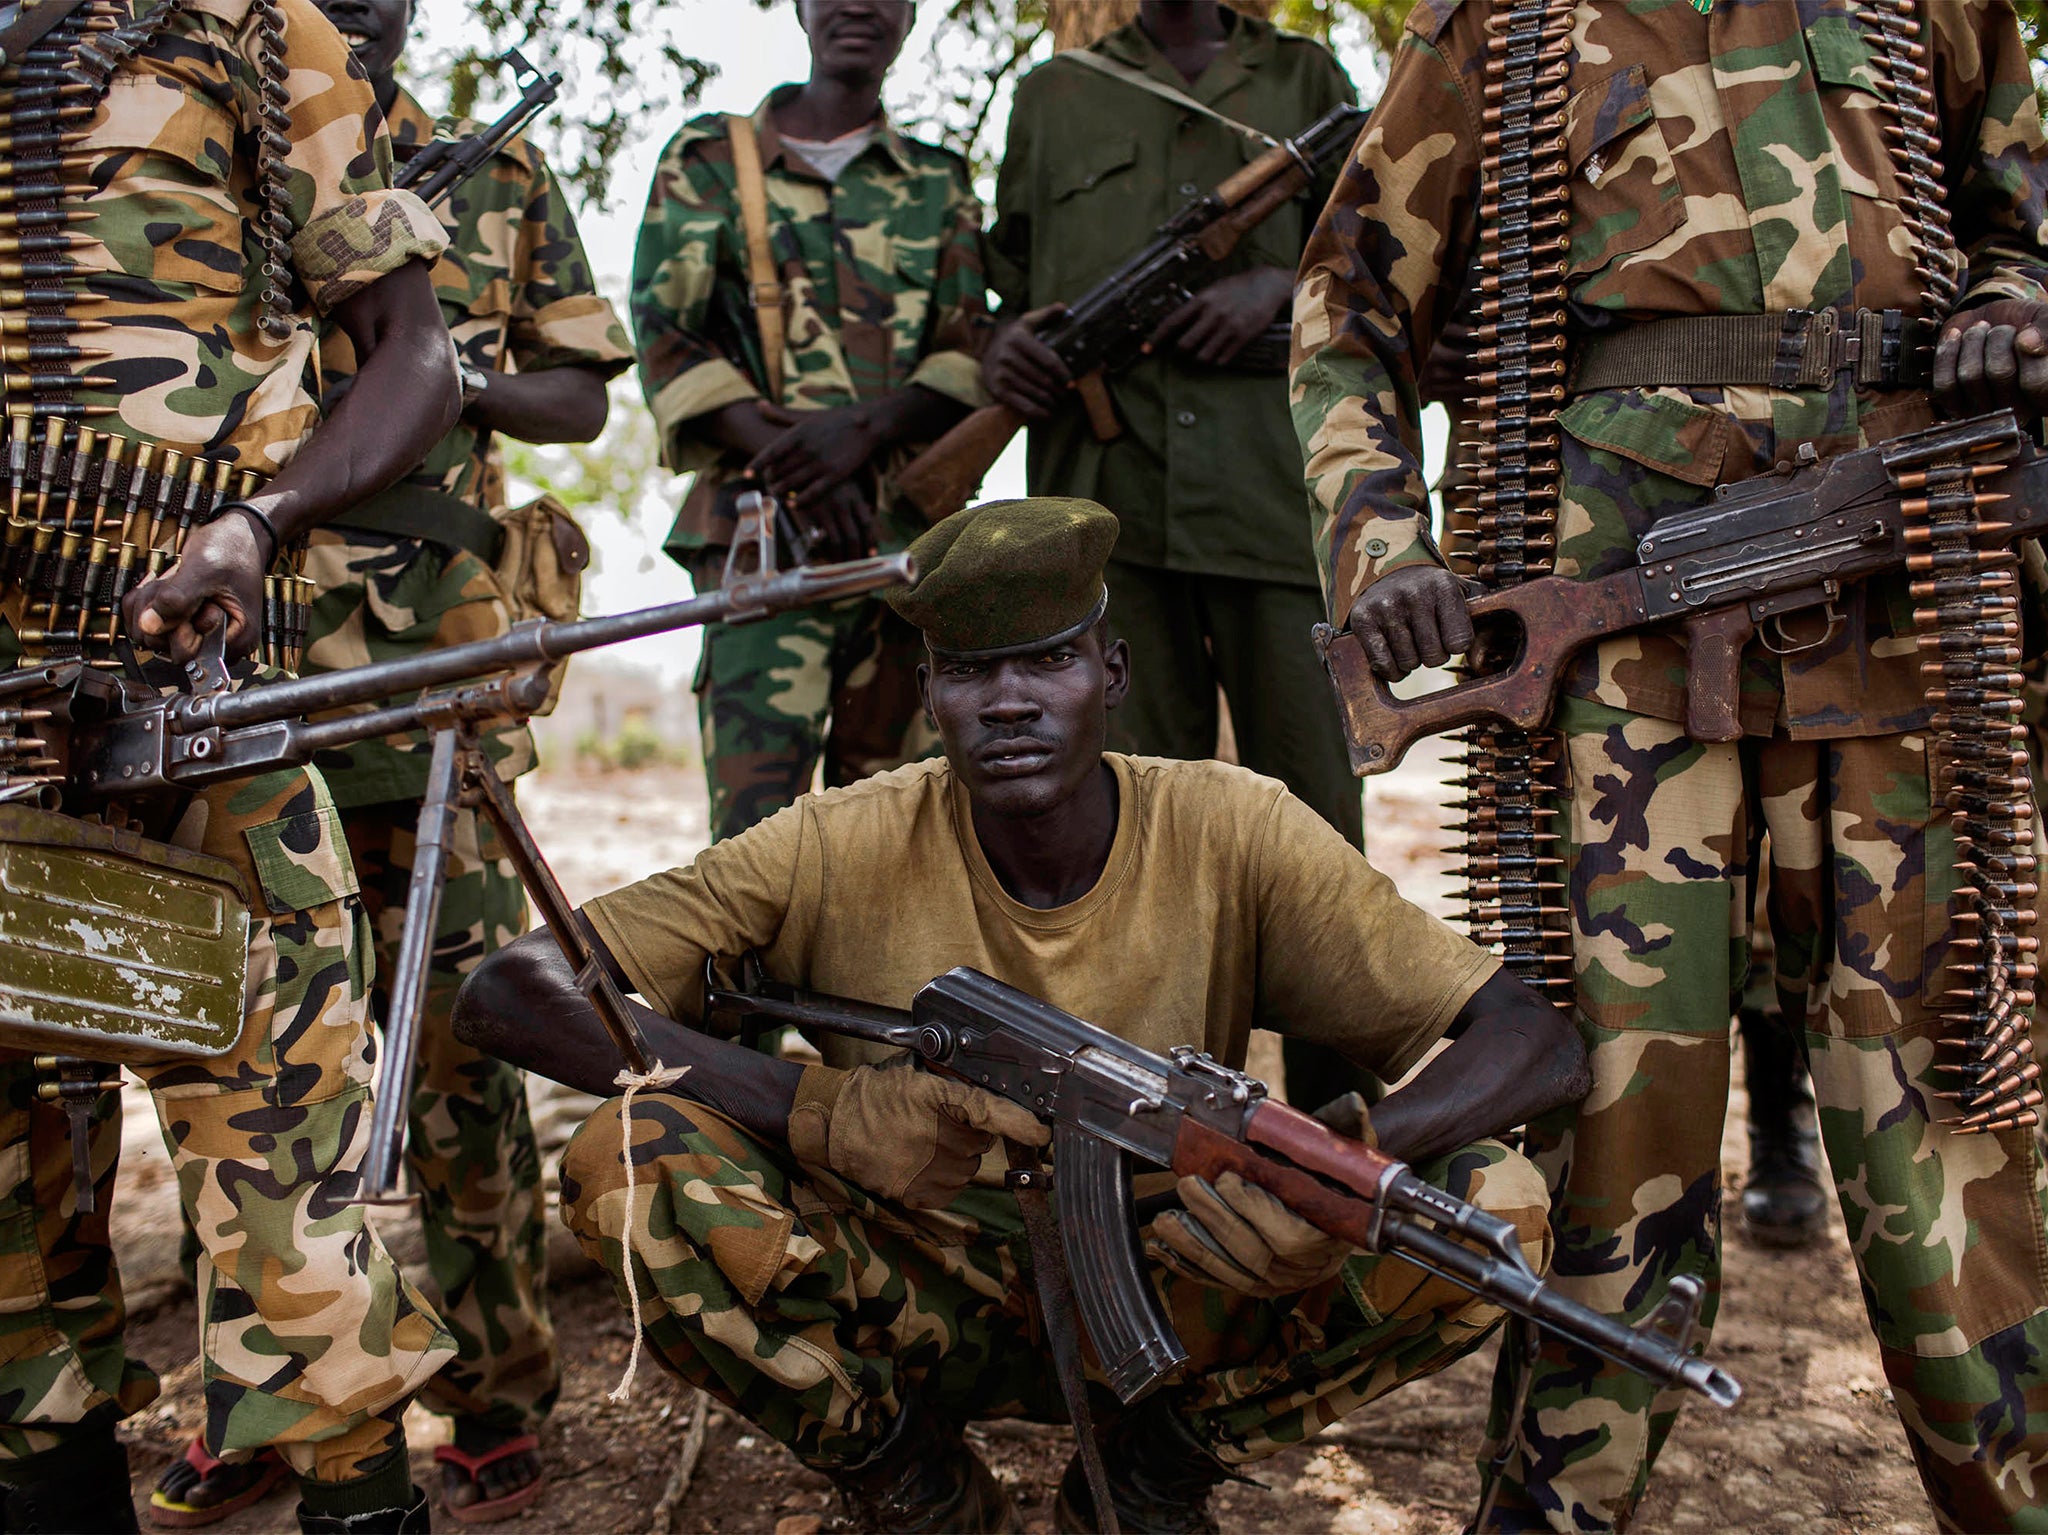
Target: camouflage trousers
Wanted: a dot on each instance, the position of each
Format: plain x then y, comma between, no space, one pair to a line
470,1152
813,1309
836,683
1946,1230
310,1339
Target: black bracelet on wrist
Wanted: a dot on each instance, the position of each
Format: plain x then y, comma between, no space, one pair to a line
256,515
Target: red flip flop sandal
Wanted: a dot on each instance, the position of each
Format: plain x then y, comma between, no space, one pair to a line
263,1473
490,1510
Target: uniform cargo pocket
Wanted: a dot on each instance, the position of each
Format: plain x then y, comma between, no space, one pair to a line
302,860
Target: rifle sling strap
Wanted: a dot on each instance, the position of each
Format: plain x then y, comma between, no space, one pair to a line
1088,58
1062,1322
1799,349
766,282
421,511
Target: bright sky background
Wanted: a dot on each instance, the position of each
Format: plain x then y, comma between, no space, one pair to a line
755,50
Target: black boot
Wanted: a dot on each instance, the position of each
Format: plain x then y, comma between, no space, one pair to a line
923,1477
79,1485
1784,1199
413,1519
1160,1477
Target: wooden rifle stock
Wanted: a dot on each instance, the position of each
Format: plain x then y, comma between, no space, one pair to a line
1557,617
940,479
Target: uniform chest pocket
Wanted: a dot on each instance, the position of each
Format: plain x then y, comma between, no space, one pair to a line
160,155
1098,163
1857,113
1625,194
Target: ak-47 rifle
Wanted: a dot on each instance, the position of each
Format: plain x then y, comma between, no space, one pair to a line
1761,550
118,738
1105,329
1110,1102
442,165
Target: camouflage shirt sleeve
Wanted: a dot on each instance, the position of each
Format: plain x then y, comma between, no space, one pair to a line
348,225
691,222
559,319
1378,280
1998,169
959,327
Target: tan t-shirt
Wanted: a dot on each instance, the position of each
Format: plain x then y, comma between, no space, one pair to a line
1226,905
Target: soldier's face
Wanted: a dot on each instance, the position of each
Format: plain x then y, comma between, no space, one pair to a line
855,39
373,29
1023,733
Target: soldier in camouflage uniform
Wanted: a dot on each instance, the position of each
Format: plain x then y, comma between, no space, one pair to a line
1724,159
310,1339
539,345
804,1241
876,242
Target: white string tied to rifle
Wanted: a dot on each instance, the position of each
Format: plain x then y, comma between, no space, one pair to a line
655,1076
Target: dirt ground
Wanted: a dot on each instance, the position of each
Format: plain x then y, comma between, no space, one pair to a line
1814,1447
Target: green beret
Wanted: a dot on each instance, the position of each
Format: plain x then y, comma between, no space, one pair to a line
1010,577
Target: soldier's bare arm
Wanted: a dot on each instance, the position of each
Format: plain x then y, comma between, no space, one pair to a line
1512,1057
523,1005
553,405
906,1135
409,401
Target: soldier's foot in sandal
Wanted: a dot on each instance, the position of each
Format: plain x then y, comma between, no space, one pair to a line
489,1473
196,1489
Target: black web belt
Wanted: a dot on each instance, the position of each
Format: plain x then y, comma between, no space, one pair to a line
1799,349
423,512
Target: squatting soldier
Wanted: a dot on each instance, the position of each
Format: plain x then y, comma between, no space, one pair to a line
808,344
193,459
809,1250
1721,162
412,571
1215,578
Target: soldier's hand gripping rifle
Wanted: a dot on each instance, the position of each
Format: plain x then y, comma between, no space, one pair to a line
126,739
1111,1103
1104,331
1761,551
442,165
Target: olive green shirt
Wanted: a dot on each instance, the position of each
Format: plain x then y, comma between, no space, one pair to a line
1207,476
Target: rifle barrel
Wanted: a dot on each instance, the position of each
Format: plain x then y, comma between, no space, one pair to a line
531,644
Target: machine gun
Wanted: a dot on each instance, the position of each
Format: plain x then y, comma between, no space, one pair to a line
442,165
1111,1103
1762,550
119,738
1105,330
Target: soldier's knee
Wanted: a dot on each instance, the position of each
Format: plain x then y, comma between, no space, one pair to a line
664,1127
1508,1186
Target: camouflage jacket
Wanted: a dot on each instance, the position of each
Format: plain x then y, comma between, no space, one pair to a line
175,255
1731,163
883,279
516,291
1206,477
